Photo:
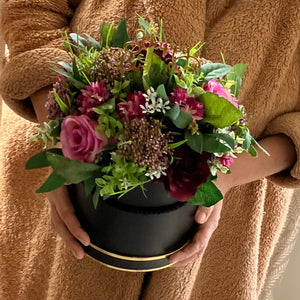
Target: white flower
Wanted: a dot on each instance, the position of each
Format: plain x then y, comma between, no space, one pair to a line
152,174
125,183
153,103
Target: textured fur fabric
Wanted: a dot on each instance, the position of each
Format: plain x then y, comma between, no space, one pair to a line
264,34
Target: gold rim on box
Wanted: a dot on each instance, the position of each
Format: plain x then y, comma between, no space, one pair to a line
128,263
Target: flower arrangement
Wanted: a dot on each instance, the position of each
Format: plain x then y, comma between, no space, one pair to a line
127,112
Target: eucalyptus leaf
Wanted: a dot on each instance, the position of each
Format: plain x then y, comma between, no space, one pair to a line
72,170
252,151
66,66
40,159
219,112
207,195
95,44
173,113
79,40
195,141
183,120
53,182
215,70
161,92
121,35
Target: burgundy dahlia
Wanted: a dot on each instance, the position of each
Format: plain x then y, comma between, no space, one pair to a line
92,96
187,103
187,173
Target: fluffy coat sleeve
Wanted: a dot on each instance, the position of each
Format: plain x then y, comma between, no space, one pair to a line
32,30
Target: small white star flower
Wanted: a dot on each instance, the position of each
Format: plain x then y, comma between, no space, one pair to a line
156,174
153,103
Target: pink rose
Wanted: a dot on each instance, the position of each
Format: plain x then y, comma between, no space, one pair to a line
80,139
217,88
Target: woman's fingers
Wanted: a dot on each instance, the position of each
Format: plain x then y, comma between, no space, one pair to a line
198,244
61,229
65,221
203,213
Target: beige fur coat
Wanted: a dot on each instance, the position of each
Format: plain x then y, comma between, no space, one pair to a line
264,34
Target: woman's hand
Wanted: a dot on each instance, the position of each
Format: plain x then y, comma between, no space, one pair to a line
63,218
208,220
65,223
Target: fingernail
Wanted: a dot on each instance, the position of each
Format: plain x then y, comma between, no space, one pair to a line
78,254
201,217
85,242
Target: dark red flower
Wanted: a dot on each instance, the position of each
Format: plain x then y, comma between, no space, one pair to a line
187,173
131,108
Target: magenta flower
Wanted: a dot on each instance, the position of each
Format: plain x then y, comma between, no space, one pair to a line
187,173
187,103
92,96
225,160
216,87
131,108
80,139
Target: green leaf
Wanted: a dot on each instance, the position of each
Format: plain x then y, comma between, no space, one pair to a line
96,198
62,105
66,66
144,25
183,120
93,42
40,159
207,195
161,92
76,73
107,32
227,139
178,144
121,36
195,141
259,146
79,85
215,70
252,151
89,184
196,49
218,111
72,170
211,144
53,182
79,40
247,141
236,75
173,113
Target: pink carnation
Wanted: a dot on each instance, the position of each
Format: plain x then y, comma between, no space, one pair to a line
131,108
216,87
187,103
226,160
92,96
80,139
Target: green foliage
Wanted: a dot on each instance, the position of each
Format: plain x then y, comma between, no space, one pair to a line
40,159
121,177
155,70
178,144
108,120
120,89
180,118
236,75
215,70
161,92
219,112
195,142
107,32
49,134
121,35
213,143
53,182
207,195
72,170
